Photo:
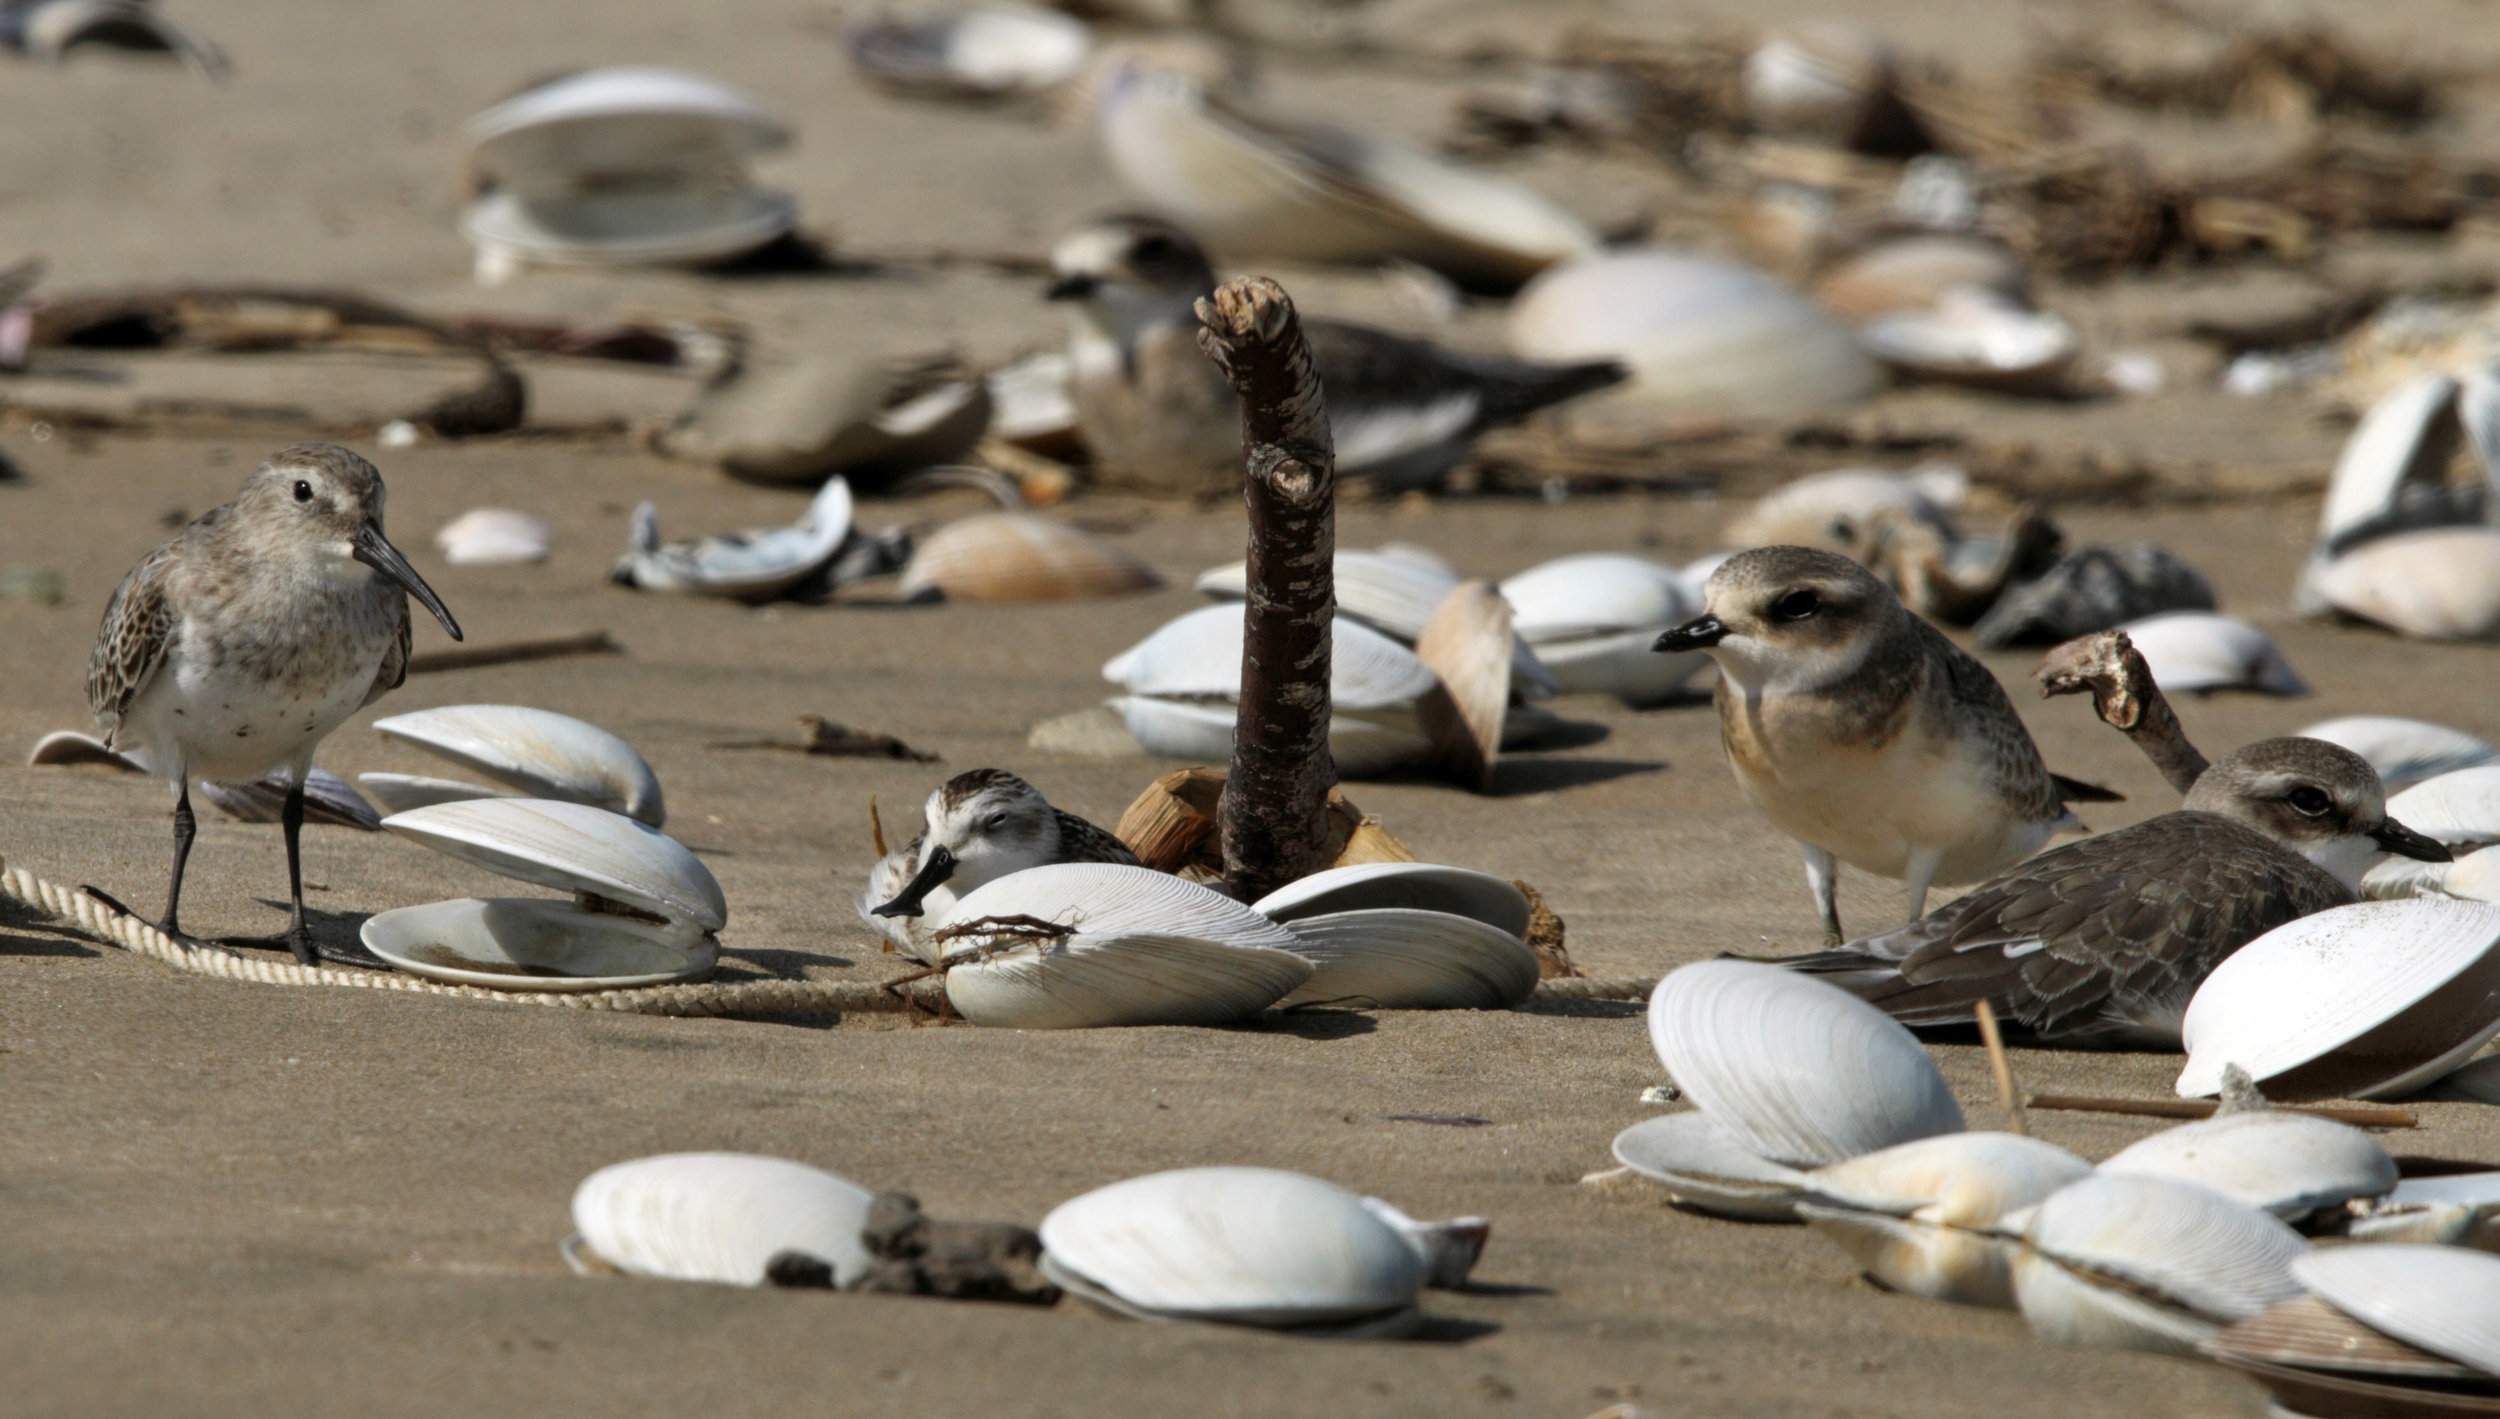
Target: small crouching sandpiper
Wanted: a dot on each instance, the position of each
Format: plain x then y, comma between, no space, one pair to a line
236,648
982,825
2103,942
1863,733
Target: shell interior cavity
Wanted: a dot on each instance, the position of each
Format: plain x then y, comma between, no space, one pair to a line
536,943
1244,1246
719,1217
2404,751
2369,1000
2444,1299
574,848
1798,1070
538,752
1704,1166
2285,1163
1417,886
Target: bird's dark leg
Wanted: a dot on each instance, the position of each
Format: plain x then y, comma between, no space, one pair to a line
185,829
298,935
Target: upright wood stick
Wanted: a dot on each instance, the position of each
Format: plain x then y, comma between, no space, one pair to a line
2107,666
1274,814
2003,1069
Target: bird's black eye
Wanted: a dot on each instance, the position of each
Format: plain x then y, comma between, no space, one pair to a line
303,491
1151,250
2310,801
1796,606
994,822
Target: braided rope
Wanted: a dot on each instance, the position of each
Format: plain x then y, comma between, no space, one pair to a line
762,998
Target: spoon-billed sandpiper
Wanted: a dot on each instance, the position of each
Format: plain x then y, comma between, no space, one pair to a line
1153,407
982,825
2104,941
1863,733
237,647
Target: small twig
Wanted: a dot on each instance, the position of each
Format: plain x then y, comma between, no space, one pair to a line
2003,1068
2358,1115
876,826
469,657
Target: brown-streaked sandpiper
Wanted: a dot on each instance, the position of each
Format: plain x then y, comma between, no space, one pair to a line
981,825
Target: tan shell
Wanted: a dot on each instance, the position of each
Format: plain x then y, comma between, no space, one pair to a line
1017,556
1910,273
1467,644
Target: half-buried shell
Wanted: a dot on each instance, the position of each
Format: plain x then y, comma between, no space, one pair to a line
1704,1166
721,1217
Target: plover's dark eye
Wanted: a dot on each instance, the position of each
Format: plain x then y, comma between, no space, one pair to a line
1150,250
303,491
2310,801
994,822
1796,606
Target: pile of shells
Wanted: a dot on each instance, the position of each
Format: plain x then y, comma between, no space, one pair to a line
2399,543
2293,1166
2399,1331
1925,1217
1407,936
535,753
2148,1263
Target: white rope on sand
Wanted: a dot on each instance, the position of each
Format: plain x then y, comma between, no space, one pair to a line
763,998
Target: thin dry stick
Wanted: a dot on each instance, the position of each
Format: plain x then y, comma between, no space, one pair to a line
1274,813
2358,1115
876,828
2004,1069
469,657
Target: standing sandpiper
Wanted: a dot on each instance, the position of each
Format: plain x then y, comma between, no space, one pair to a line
236,648
1863,733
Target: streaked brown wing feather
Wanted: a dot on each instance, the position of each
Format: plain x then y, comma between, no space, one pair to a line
1080,841
394,669
130,646
1974,696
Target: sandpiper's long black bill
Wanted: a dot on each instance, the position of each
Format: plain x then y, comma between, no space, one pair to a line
1700,633
375,550
2404,842
939,867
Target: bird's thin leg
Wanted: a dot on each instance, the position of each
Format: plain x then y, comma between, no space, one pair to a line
1923,865
1823,875
186,828
298,935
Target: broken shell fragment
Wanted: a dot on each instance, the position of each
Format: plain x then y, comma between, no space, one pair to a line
45,31
493,537
1021,556
720,1217
1236,1246
756,565
2199,652
988,51
2139,1263
539,753
1919,1217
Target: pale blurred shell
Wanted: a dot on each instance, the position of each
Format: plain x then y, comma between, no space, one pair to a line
1392,593
574,848
1816,81
1703,1165
1020,556
2459,807
990,49
1976,336
1912,272
627,119
2444,1299
719,1216
1594,620
493,537
539,752
2438,584
2190,651
1957,1179
2407,436
2404,751
2289,1164
1837,509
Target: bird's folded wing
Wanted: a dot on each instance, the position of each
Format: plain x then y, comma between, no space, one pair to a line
138,629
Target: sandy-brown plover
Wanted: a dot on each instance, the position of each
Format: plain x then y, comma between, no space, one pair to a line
981,825
234,649
1863,733
1151,405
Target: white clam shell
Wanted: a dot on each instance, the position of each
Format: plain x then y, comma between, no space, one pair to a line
991,49
2457,808
397,793
1920,1217
2407,436
2189,651
621,227
1973,335
2443,1299
1594,619
625,119
1242,1246
2369,1000
1798,1070
1199,655
1400,959
539,752
1816,82
2439,584
1362,747
1838,509
536,943
2475,877
2285,1163
1415,886
574,848
719,1216
2149,1264
755,565
1019,556
493,537
2404,751
2460,1209
1394,590
1702,337
1704,1166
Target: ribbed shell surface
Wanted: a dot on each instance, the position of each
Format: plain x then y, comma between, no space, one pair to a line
719,1216
2195,1249
1419,886
574,848
539,752
2289,1164
1397,958
2443,1299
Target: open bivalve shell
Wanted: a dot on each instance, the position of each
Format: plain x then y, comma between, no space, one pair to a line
621,166
1396,959
1798,1070
1918,1216
2404,751
2197,651
1020,556
1973,335
2460,809
717,1217
2288,1164
1395,591
538,753
1468,644
2441,584
2455,1210
2442,1299
1705,1167
755,565
1075,945
1703,338
2366,1001
573,847
2393,476
988,51
1594,619
2135,1263
1413,886
1236,1246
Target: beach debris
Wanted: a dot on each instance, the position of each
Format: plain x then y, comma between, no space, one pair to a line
821,736
2093,589
918,1255
2367,1001
620,166
2289,1164
1977,336
2199,652
642,911
1407,936
1020,556
327,797
1253,186
469,657
985,51
1914,271
757,565
535,753
493,537
1703,338
2396,1330
1833,83
2404,751
1837,510
735,1219
1923,1217
45,31
1171,826
864,417
2449,1210
1238,1246
1593,620
2147,1263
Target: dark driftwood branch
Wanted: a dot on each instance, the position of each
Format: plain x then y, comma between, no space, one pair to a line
2109,667
469,657
1274,814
